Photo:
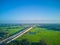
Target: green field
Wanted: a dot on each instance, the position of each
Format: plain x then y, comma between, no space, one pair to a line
6,32
39,35
13,31
50,37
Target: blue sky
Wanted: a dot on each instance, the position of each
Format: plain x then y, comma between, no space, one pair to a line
30,10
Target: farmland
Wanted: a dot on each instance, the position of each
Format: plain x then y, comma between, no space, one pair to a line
41,34
7,30
47,34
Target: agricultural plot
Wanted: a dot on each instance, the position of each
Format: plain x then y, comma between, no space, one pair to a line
40,35
7,31
50,37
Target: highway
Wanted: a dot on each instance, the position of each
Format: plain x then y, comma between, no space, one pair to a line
11,38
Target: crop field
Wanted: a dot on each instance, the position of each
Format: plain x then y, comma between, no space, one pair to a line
50,37
9,30
41,34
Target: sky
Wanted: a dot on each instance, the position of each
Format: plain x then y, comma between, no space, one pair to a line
38,11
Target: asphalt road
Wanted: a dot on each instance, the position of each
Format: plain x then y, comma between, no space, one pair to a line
11,38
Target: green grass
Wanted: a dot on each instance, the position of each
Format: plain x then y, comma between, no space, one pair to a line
51,37
11,31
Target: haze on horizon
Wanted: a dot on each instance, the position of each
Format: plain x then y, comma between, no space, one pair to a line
29,11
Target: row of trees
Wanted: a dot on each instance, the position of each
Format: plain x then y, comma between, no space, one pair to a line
55,27
25,42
